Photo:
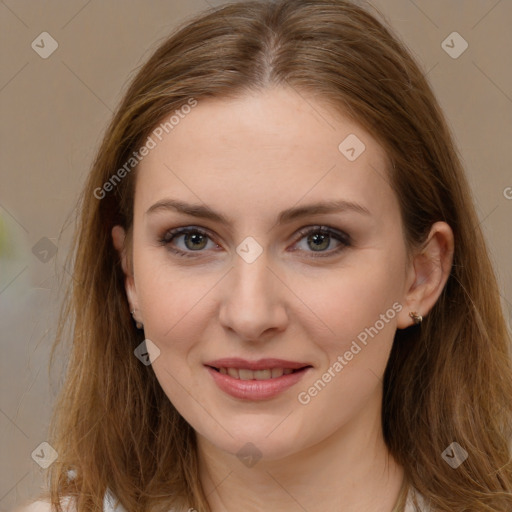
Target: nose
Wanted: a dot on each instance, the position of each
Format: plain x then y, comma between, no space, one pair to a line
253,303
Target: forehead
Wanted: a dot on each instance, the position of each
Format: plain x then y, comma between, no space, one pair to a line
274,148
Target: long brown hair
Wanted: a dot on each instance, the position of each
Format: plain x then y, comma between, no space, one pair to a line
448,380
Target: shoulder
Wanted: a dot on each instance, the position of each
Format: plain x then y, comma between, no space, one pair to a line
110,504
36,506
45,506
414,496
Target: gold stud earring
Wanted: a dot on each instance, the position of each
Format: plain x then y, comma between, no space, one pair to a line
416,318
137,324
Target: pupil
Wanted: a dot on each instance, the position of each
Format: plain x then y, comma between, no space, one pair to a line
319,238
195,239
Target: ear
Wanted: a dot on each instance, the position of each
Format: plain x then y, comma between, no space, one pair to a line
119,240
428,272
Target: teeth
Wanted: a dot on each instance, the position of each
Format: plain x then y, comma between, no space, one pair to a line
262,374
245,374
233,372
277,372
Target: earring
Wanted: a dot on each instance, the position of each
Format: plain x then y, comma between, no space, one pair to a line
137,324
416,318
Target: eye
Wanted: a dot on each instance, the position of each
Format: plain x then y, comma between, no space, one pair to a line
193,239
319,238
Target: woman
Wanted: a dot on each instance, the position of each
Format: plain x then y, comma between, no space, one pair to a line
282,299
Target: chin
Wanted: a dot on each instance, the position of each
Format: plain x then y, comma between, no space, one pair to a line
261,440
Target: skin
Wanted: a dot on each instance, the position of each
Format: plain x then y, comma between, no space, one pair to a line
249,159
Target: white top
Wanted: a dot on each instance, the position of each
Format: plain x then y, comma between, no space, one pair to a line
43,506
108,503
110,499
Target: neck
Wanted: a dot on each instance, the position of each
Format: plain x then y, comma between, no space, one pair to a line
351,470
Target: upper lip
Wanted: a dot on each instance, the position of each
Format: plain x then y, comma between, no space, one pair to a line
260,364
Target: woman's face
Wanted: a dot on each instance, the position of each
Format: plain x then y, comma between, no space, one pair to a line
260,279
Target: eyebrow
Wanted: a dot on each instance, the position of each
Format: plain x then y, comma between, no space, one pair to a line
288,215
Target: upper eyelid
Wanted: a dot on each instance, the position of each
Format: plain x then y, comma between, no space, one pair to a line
321,227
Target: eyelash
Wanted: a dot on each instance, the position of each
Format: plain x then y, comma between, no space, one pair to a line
343,238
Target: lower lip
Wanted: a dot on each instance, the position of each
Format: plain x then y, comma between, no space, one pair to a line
255,389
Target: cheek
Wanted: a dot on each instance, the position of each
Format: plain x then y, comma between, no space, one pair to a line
166,310
360,309
353,299
172,305
171,300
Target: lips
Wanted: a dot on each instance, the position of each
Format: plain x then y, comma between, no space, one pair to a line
255,380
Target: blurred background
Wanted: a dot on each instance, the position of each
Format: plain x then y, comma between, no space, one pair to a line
65,65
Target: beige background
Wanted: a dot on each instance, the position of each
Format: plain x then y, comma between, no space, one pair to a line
54,111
